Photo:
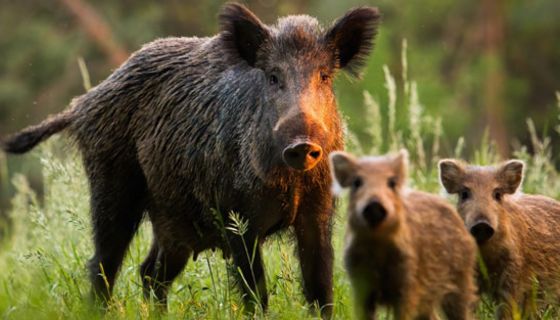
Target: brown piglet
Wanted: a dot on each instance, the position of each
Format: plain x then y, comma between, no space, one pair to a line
518,235
405,249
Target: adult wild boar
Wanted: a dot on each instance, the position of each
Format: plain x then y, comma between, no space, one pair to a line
240,122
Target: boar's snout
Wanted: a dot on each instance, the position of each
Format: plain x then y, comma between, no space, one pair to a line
374,213
302,155
482,231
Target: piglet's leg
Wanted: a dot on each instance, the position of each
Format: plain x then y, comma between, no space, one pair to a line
407,308
457,306
367,306
510,299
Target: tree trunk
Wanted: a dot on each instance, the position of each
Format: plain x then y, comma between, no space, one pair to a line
493,34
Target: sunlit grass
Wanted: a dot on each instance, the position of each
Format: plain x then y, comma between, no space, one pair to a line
43,261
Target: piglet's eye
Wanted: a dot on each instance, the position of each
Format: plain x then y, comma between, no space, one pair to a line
497,195
325,77
392,183
465,194
358,182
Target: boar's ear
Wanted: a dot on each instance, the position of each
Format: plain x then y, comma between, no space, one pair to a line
400,161
243,33
451,174
351,37
510,176
343,166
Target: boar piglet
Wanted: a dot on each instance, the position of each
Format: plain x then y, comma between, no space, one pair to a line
405,249
518,235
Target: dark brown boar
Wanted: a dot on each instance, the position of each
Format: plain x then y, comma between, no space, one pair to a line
405,249
235,122
518,235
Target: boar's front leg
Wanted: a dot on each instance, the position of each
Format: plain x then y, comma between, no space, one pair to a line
246,253
313,232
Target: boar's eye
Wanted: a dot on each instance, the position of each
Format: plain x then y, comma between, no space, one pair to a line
465,194
392,183
497,195
358,182
273,79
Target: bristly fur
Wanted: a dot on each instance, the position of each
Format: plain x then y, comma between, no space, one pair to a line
357,26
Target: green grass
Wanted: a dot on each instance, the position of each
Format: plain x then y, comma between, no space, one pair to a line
43,260
43,264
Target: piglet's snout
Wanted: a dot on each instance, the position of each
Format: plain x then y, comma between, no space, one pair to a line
482,231
374,213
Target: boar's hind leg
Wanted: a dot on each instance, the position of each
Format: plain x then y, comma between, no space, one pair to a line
313,233
118,195
246,252
159,270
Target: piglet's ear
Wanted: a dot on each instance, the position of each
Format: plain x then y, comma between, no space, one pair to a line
510,176
243,33
451,175
400,162
351,37
343,168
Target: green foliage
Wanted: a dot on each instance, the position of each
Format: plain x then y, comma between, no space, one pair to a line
43,263
44,259
420,134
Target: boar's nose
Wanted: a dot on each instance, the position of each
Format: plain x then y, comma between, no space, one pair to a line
302,155
374,213
482,231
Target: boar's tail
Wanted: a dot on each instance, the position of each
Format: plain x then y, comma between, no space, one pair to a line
29,137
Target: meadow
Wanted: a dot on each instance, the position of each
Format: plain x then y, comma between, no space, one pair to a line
43,257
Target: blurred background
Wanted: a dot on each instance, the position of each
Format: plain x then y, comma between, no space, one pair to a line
479,64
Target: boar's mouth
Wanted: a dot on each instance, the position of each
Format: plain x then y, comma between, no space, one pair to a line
302,155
